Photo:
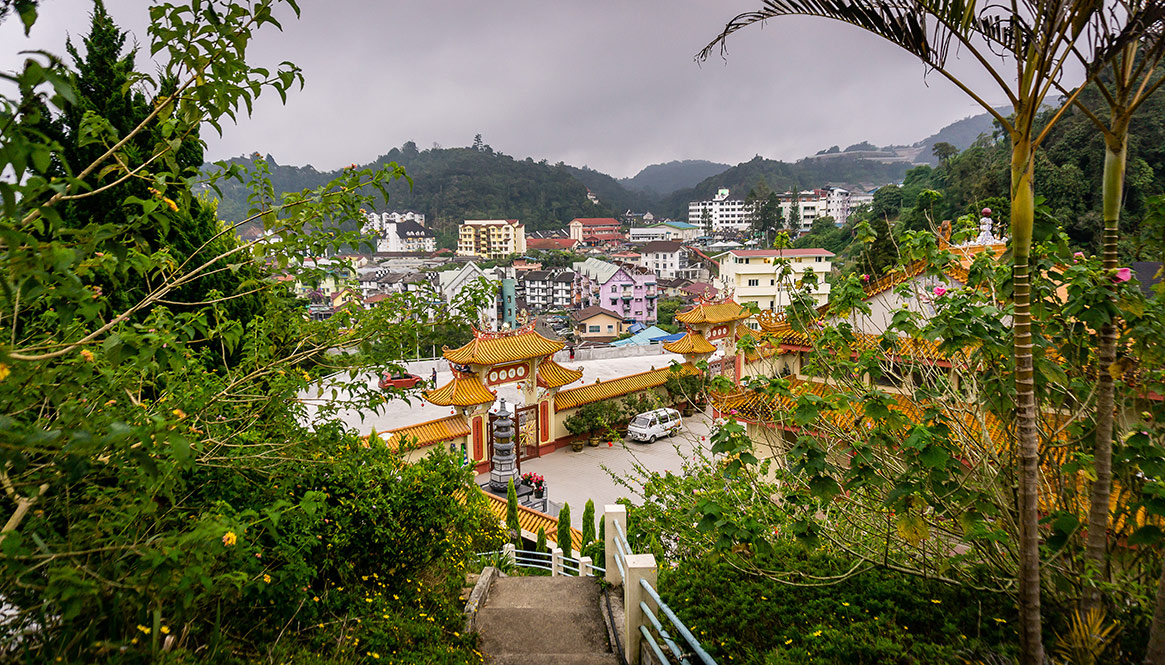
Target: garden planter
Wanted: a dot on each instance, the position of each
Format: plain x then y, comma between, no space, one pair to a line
593,441
576,445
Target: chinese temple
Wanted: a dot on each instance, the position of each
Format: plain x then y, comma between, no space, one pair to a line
712,325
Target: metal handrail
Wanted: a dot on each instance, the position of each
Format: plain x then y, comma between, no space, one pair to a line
530,559
671,644
679,625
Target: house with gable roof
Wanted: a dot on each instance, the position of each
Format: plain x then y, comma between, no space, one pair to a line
627,290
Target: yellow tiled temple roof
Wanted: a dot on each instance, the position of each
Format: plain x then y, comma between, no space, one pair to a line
903,347
553,375
530,520
427,433
954,271
713,312
568,399
463,390
693,342
509,346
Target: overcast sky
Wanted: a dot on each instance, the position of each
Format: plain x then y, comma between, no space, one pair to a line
609,84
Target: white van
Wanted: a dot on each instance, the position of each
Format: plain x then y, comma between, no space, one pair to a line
652,425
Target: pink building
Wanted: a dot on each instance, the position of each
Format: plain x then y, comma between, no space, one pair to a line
622,288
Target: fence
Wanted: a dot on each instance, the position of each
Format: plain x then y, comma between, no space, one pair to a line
637,573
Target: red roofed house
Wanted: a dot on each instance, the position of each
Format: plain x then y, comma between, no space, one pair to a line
551,243
594,230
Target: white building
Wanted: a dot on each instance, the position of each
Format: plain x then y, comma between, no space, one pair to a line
399,233
669,230
720,214
670,259
452,282
752,275
545,290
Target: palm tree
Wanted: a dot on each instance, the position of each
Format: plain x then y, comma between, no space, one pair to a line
1128,83
1038,38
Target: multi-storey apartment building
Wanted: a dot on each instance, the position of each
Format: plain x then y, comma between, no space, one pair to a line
752,275
593,230
669,259
403,236
491,238
628,290
378,221
546,290
720,214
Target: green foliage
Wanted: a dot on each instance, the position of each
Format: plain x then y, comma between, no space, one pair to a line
808,610
563,534
667,309
594,417
512,524
588,523
540,545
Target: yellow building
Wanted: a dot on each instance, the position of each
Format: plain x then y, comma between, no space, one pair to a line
491,238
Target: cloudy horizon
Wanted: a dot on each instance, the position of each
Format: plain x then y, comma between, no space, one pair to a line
608,85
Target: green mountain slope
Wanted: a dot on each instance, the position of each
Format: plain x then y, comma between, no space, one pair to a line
666,178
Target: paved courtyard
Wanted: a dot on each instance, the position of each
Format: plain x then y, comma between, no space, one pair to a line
571,477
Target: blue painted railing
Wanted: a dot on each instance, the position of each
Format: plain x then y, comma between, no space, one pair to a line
691,651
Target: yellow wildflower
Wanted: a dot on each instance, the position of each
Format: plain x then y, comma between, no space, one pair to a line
144,629
936,601
229,539
179,413
165,630
87,355
789,641
4,371
266,578
817,633
169,203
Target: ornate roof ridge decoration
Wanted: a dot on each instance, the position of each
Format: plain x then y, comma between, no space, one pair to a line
709,310
900,347
692,342
492,348
915,268
463,390
553,375
427,433
601,390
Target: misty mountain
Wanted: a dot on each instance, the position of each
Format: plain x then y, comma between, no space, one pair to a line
961,134
666,178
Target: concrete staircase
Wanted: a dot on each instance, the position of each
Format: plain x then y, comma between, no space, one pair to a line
544,620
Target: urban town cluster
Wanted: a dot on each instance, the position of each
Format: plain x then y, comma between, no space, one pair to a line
612,295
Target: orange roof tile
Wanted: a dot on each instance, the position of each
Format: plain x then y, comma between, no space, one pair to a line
509,346
553,375
569,399
530,520
713,312
903,347
693,342
427,433
463,390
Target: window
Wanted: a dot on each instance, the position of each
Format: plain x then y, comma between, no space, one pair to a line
754,282
610,327
614,301
820,259
772,282
592,329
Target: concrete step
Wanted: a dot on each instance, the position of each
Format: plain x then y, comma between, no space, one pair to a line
543,592
555,658
528,617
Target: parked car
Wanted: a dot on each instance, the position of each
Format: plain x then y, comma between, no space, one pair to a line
403,381
652,425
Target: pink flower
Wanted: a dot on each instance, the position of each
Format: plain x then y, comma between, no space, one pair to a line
940,291
865,277
1123,275
1078,255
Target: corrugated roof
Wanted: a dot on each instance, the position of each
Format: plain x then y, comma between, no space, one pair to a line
782,253
493,348
427,433
553,375
693,342
530,520
569,399
710,312
463,390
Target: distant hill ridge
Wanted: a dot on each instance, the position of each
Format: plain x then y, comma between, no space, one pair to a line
453,184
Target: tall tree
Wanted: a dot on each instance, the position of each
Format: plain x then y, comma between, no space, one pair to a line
1037,39
1126,82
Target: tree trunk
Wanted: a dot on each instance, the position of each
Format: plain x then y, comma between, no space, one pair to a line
1155,653
1096,545
1022,220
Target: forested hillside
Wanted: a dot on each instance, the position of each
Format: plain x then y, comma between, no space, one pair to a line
666,178
453,184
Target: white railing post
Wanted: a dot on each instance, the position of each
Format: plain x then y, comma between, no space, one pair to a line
510,553
639,567
611,514
584,566
556,562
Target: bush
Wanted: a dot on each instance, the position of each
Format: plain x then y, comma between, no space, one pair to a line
876,616
564,529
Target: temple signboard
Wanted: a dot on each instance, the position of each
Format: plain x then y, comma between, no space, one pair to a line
507,373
